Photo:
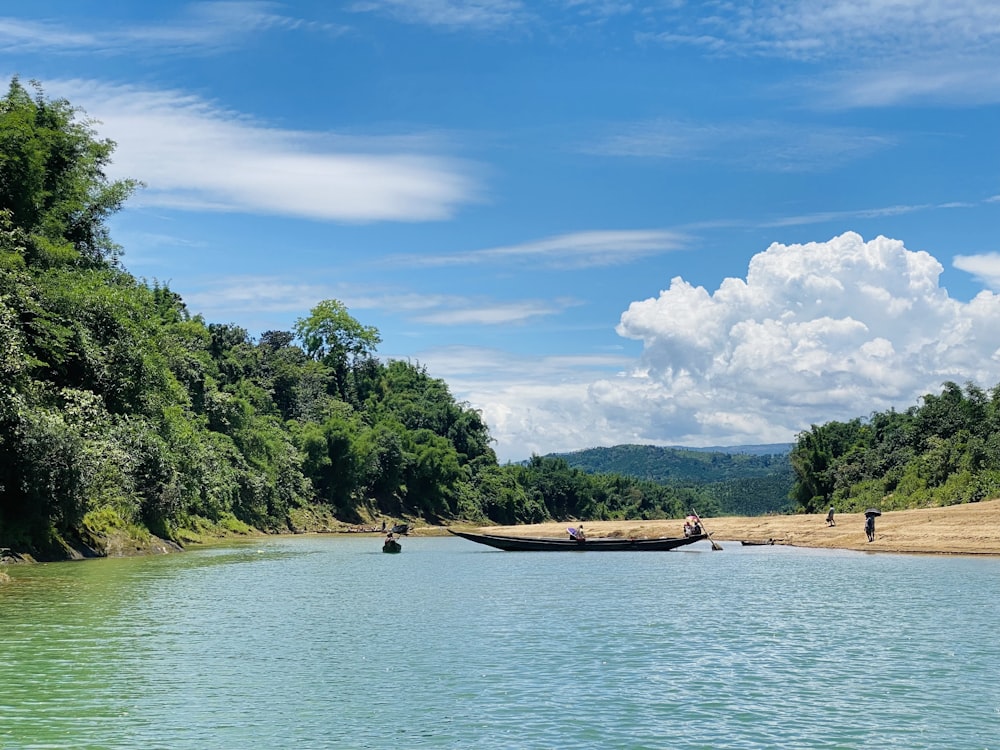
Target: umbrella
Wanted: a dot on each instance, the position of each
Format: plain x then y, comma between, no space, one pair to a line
872,512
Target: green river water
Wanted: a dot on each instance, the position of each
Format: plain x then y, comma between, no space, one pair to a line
324,642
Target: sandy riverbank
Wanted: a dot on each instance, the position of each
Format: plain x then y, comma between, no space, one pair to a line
972,529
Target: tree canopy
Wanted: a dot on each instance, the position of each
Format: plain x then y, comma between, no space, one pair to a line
944,451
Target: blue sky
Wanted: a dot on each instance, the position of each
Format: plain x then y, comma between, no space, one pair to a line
600,222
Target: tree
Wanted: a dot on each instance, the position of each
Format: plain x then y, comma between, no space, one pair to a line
331,335
52,180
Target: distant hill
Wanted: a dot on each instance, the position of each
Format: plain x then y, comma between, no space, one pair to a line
764,449
746,480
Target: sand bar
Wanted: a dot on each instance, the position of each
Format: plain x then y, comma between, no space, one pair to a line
971,529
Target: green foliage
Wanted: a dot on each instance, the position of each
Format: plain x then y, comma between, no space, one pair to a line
52,180
737,483
942,452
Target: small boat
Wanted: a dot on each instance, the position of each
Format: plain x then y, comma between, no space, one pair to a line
392,546
752,543
591,544
401,528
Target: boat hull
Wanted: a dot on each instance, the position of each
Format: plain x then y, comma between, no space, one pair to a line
597,544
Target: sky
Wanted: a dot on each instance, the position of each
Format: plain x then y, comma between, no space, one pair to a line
599,222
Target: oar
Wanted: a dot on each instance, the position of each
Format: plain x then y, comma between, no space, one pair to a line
716,547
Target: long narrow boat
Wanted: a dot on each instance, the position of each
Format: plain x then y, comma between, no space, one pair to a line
596,544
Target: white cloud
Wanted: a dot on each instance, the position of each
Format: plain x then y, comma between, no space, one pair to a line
532,404
488,312
576,250
945,79
985,267
887,51
455,309
812,29
819,331
236,297
815,332
268,302
762,145
206,27
193,155
452,15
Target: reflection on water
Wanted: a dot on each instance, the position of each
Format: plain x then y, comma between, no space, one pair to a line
324,642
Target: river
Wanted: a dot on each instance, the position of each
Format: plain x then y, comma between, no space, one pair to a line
324,642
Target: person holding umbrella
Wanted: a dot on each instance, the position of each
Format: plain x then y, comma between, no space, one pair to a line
870,515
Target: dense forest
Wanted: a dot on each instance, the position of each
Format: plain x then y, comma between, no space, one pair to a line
942,452
738,482
122,412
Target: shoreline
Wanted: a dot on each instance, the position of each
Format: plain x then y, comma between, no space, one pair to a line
967,529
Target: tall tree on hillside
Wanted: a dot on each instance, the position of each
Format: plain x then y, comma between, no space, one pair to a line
331,335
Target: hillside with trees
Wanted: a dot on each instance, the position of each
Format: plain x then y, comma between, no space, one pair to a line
125,414
737,482
942,452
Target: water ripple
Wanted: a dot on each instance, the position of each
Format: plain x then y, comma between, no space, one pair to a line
325,643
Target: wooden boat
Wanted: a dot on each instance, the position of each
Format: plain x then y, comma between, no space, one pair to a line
594,544
392,546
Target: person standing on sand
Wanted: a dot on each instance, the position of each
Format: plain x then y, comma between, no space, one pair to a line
870,528
829,518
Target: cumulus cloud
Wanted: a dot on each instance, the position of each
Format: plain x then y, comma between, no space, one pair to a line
194,155
814,332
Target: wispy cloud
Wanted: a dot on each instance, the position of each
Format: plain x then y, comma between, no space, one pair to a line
455,309
238,297
760,145
951,80
861,213
575,250
451,15
207,26
886,52
491,313
194,155
844,29
985,267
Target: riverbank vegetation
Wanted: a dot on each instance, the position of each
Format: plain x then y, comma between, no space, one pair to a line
942,452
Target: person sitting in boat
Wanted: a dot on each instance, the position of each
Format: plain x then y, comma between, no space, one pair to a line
688,528
580,536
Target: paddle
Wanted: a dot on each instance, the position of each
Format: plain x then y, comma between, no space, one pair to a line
716,547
